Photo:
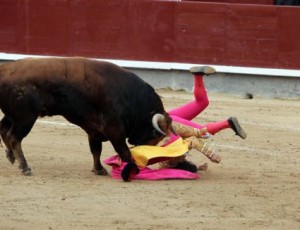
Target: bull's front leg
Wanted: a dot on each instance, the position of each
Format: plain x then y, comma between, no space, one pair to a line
123,151
14,137
18,153
96,149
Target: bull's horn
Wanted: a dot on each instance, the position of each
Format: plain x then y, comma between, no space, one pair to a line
155,119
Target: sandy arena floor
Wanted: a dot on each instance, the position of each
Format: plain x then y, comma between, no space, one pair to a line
256,186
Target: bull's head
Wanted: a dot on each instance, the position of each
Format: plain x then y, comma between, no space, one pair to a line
162,125
156,129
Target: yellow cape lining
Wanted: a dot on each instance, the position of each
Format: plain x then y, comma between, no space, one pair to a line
146,155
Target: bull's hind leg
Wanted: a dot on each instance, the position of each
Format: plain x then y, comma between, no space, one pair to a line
15,135
17,149
96,148
5,126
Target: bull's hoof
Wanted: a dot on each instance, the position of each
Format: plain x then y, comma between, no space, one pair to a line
27,172
129,171
10,156
101,172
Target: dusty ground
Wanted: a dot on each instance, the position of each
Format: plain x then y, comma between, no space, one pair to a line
255,187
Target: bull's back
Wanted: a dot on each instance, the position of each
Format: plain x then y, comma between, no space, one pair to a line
31,69
73,70
91,78
64,80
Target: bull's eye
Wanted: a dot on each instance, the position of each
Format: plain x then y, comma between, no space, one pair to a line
155,133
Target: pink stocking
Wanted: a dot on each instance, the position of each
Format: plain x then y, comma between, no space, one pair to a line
212,127
184,114
192,109
217,126
186,122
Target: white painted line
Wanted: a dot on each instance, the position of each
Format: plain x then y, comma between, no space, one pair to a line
177,66
253,150
248,123
247,149
272,126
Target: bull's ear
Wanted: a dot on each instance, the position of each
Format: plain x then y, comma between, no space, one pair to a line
159,120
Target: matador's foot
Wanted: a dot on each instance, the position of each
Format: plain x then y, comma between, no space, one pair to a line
202,70
236,127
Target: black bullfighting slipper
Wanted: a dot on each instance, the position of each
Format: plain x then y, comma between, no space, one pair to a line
129,171
187,166
202,70
234,124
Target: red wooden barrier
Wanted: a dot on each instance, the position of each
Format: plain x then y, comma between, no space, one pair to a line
170,31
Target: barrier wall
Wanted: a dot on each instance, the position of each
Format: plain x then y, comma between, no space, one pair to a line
169,31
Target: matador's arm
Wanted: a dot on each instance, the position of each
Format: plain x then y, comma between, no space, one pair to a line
186,131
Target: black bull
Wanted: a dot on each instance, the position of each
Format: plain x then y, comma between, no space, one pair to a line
105,100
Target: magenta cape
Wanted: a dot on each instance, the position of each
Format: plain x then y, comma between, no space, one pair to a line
146,155
148,173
